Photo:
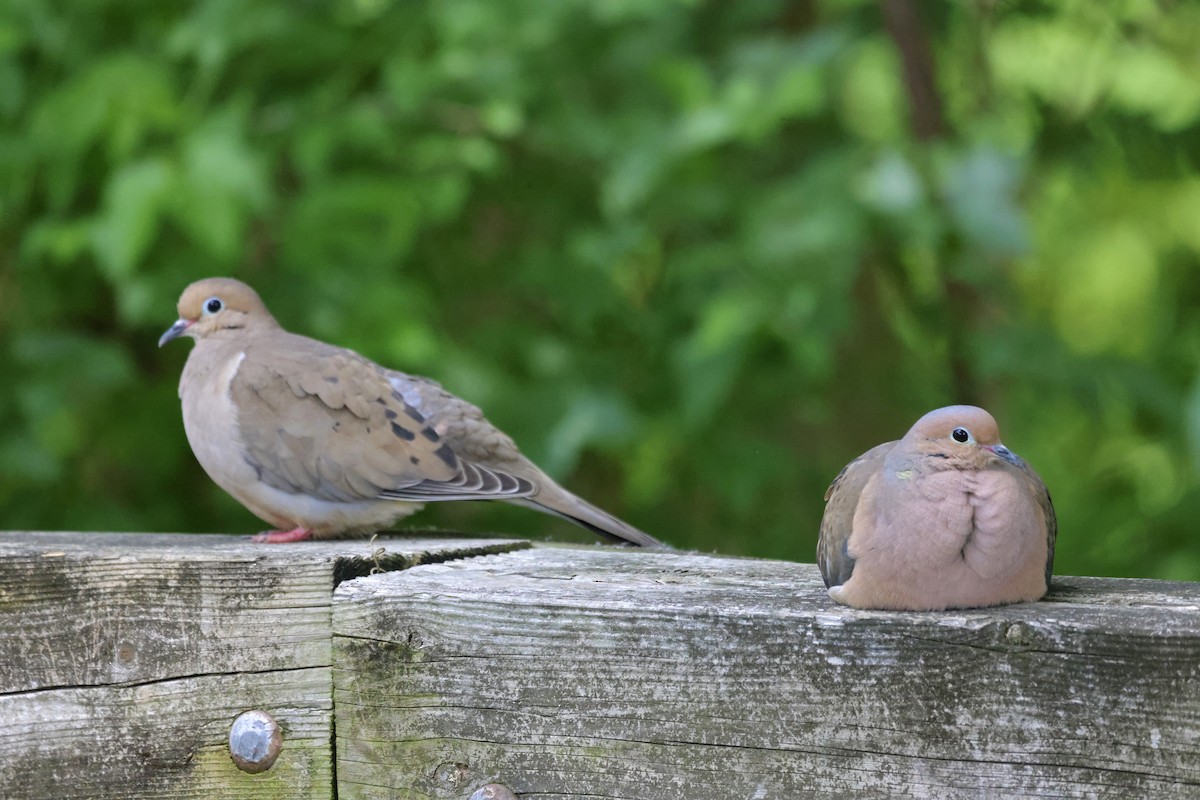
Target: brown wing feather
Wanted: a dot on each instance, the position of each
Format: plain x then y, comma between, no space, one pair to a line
326,422
1037,487
841,501
476,440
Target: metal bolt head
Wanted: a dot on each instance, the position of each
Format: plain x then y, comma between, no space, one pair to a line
1019,634
255,741
452,775
493,791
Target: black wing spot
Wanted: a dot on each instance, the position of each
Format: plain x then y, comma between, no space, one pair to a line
390,414
414,459
412,412
331,379
430,434
403,432
446,454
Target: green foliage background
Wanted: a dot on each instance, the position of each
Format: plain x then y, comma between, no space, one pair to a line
690,254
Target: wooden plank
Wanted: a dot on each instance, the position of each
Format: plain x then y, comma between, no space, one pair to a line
587,673
167,739
124,658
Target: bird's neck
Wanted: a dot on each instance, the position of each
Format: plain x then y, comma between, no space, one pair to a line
927,461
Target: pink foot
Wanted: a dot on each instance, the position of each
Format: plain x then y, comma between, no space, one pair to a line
283,537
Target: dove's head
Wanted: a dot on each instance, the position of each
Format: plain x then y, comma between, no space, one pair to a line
217,304
965,436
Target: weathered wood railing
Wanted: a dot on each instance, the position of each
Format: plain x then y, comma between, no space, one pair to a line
562,672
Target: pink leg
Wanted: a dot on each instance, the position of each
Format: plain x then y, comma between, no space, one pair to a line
283,537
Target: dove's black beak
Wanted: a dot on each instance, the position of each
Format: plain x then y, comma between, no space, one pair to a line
1006,454
174,331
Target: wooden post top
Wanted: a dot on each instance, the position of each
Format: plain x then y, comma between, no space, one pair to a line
435,666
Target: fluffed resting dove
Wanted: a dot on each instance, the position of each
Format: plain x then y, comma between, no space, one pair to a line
321,442
947,517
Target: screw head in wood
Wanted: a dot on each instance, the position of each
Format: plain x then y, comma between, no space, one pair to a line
452,775
493,791
255,741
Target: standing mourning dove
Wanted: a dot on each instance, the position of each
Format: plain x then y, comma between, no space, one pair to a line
947,517
319,441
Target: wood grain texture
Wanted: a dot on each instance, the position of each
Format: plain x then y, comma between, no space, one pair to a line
586,673
124,658
167,739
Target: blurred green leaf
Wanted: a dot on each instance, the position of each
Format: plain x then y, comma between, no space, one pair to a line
114,104
892,186
709,361
981,196
592,417
1107,287
133,205
222,183
691,255
357,220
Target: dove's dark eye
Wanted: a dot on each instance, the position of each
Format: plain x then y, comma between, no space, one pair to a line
961,435
212,305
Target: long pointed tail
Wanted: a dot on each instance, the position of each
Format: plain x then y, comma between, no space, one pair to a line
553,499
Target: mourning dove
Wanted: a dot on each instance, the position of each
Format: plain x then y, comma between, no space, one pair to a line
320,442
947,517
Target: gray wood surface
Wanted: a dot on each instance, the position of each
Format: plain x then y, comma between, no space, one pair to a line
589,673
124,658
